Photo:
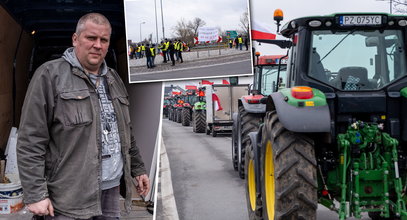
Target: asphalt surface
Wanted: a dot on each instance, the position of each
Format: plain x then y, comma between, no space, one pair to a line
220,63
204,182
205,186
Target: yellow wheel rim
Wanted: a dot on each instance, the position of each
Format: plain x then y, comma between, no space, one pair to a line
269,180
251,184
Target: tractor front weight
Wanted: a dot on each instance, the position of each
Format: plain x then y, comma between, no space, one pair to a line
368,171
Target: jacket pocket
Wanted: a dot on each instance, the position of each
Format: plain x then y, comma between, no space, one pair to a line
77,108
124,103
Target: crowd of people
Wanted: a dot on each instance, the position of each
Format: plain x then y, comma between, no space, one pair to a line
171,50
238,42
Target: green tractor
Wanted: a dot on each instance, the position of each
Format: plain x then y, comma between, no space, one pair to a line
251,111
199,112
336,136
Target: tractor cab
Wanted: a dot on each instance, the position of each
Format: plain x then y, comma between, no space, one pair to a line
357,61
266,73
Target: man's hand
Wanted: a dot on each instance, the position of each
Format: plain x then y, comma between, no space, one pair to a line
41,208
143,186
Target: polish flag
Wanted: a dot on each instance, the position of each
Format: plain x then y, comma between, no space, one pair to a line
225,82
215,98
262,31
206,82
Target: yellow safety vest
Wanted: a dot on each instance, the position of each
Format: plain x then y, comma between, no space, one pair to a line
167,44
152,51
240,40
181,46
143,48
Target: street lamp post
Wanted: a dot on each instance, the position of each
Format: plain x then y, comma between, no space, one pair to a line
140,29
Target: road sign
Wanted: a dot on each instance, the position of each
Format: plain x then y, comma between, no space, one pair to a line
231,34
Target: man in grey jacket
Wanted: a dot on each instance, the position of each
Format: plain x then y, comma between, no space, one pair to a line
76,153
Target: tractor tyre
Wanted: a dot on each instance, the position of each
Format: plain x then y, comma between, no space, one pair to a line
288,173
186,117
193,122
200,122
173,115
249,122
253,198
214,133
208,131
179,115
234,145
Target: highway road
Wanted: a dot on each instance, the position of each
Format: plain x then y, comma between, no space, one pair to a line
215,67
205,185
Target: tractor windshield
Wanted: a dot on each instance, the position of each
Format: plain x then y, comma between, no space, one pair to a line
269,78
357,59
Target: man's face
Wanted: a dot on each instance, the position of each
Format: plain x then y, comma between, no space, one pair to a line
91,45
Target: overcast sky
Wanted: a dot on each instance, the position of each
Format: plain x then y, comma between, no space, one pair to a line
262,11
216,13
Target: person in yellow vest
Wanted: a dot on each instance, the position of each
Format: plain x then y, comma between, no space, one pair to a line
240,41
161,48
143,50
153,53
148,56
167,45
176,49
131,52
230,43
180,49
139,51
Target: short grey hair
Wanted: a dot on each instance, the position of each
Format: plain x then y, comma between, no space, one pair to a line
96,18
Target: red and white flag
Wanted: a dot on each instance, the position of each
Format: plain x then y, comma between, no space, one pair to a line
196,41
216,100
262,31
206,82
225,82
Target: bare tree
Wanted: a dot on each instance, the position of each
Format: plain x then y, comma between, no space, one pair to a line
186,31
196,24
244,23
182,30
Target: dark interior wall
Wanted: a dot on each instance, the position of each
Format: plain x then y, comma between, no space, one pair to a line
121,56
23,59
145,108
9,39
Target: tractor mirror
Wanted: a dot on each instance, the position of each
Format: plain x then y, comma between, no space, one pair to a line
372,41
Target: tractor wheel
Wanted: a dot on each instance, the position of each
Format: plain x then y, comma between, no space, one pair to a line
288,173
193,122
208,131
234,145
172,115
179,115
253,198
186,117
248,122
214,133
200,122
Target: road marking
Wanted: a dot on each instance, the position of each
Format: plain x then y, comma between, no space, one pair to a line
166,195
190,68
